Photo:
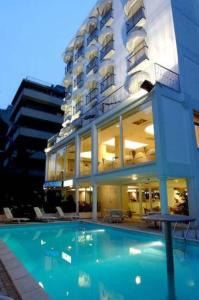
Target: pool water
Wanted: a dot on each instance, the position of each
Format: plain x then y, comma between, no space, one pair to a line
86,261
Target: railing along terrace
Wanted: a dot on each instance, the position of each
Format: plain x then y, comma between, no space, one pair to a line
69,67
106,49
80,52
92,95
132,22
93,35
106,17
93,65
107,82
79,80
138,56
167,77
77,108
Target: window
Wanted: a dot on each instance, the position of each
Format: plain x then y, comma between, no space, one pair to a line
51,167
60,164
85,155
196,124
138,136
109,147
70,160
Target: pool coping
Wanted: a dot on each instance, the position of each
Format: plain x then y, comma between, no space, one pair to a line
26,287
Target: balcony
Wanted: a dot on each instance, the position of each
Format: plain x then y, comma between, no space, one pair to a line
106,50
68,55
68,92
106,19
93,94
107,83
93,65
79,53
93,36
79,81
69,67
139,56
77,108
138,19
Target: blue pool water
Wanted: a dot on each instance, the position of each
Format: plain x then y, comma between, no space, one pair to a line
86,261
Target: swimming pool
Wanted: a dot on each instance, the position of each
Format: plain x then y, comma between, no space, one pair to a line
79,260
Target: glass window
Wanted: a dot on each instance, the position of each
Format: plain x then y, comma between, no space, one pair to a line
85,155
60,164
138,136
70,160
51,167
196,124
109,147
85,199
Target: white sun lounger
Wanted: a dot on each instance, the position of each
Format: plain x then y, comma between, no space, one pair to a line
9,216
67,216
43,217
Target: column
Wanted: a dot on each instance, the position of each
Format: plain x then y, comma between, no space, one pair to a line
94,209
46,167
163,195
150,199
77,198
121,144
140,199
94,150
77,156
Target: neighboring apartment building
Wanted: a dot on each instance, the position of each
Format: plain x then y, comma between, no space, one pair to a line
34,117
130,135
4,123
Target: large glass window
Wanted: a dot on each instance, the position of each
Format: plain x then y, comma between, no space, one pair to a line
109,147
70,160
51,167
138,136
196,124
85,155
60,164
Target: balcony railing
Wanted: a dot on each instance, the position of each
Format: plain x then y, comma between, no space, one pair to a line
77,108
140,54
79,80
167,77
93,35
92,95
106,49
132,22
69,67
107,82
68,92
106,18
79,53
93,65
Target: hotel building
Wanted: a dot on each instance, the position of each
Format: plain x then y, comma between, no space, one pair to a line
130,134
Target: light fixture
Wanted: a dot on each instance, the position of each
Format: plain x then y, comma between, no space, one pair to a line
86,154
110,142
138,280
134,251
134,177
133,145
149,129
147,86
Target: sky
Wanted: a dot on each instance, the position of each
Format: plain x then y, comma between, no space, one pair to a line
33,36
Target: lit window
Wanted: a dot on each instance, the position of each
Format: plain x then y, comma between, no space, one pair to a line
196,124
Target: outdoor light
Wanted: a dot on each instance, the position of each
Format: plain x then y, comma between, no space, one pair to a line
138,280
147,86
149,129
134,251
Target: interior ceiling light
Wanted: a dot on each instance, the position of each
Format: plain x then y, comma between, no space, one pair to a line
134,177
110,142
133,145
149,129
85,154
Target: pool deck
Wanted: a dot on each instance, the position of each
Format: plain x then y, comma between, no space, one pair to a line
26,287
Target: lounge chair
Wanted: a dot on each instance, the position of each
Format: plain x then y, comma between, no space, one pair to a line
114,216
67,216
43,217
10,218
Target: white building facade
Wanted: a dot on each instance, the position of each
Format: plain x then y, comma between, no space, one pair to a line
130,135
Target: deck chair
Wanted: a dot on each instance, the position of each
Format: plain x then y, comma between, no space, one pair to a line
43,217
9,216
67,216
114,216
